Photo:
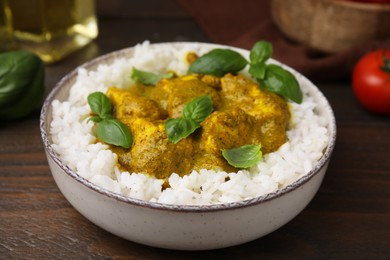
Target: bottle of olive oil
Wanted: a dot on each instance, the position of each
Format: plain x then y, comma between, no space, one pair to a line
50,28
5,27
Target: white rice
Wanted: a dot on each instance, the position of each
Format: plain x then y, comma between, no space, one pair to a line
75,142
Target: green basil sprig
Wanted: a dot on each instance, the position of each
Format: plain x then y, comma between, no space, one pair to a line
179,128
218,62
194,113
243,157
198,109
148,78
260,52
281,81
109,129
272,77
100,105
22,78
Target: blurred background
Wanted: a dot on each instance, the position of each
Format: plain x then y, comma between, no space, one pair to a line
322,39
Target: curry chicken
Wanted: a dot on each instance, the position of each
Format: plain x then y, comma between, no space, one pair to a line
243,113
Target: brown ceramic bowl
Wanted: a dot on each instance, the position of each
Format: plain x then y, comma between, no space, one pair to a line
331,25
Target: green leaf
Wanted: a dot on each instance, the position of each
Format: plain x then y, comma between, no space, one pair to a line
218,62
386,63
100,104
109,129
22,86
194,113
260,52
179,128
148,78
95,119
282,82
198,109
258,70
114,132
243,157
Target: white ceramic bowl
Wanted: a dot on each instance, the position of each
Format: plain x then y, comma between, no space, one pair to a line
180,226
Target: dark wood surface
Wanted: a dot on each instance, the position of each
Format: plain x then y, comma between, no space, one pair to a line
349,218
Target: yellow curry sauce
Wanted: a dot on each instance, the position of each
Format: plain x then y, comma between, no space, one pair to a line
243,114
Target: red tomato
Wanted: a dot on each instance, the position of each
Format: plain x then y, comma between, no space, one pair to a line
371,81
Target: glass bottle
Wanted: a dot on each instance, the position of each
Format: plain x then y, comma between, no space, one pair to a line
50,28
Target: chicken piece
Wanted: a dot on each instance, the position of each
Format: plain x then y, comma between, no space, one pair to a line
269,110
126,105
152,153
212,81
225,130
174,94
272,134
191,57
240,91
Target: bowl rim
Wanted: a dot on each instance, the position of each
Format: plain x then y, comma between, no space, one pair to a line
179,207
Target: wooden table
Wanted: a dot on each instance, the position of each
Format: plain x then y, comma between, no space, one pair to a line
349,218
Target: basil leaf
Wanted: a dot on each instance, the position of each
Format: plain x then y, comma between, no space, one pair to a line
258,70
109,129
198,109
260,52
194,113
282,82
100,104
243,157
114,132
148,78
22,85
95,119
179,128
218,62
